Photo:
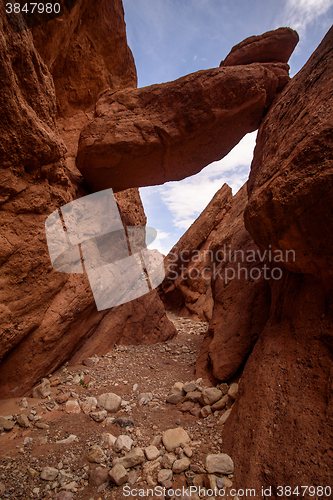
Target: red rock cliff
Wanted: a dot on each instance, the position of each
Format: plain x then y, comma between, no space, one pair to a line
47,316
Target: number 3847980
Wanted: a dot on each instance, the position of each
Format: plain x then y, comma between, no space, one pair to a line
304,491
40,8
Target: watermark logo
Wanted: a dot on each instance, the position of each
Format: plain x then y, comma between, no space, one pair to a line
228,264
88,235
23,14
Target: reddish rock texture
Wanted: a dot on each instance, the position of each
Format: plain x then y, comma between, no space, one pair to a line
46,316
169,131
272,46
28,136
281,429
86,52
241,296
291,180
186,288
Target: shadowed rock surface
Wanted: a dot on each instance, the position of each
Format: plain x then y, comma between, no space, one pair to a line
167,132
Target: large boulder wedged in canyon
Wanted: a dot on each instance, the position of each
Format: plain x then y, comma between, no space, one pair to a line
86,52
291,180
280,430
46,316
186,288
169,131
272,46
241,295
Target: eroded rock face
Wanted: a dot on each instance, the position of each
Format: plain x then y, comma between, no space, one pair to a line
187,284
271,47
288,376
290,185
241,296
86,52
27,90
46,316
167,132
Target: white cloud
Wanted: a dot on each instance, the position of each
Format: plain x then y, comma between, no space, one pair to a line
299,14
186,199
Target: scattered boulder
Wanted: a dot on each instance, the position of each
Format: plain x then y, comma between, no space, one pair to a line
220,463
190,387
144,398
118,474
23,420
72,406
175,398
225,417
95,454
108,439
177,388
6,424
63,397
168,460
90,362
110,402
42,390
205,411
133,458
89,405
180,465
173,438
151,452
123,443
164,476
98,476
233,391
220,404
98,416
49,474
210,395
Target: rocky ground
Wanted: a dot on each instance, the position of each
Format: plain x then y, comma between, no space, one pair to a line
65,442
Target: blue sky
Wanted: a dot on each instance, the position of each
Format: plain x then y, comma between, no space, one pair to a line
171,38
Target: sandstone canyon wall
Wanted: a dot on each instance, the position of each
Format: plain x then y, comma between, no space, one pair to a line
281,427
47,316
